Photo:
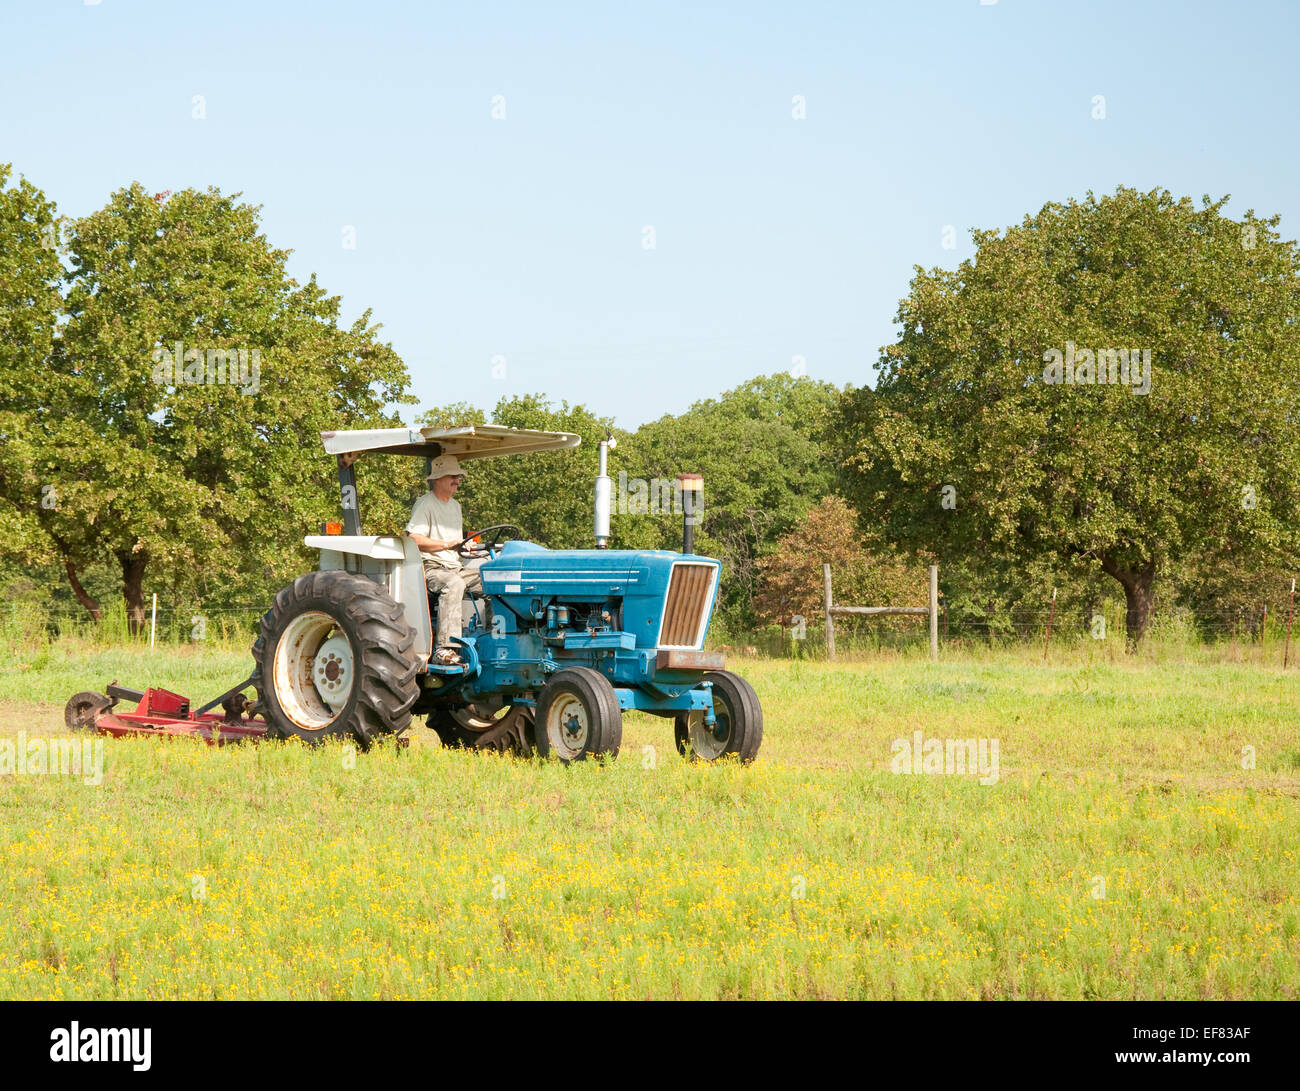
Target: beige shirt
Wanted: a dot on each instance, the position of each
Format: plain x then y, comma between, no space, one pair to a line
440,520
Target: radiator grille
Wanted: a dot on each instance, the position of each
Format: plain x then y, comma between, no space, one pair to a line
686,606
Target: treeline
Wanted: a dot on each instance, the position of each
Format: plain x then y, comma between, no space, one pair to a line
163,384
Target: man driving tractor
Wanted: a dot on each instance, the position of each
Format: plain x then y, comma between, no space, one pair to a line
438,530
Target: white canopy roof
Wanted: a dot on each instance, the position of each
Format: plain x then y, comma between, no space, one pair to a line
473,441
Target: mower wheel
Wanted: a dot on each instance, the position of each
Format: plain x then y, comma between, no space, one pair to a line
335,657
738,729
577,716
82,708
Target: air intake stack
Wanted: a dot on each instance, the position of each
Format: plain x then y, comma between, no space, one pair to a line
603,494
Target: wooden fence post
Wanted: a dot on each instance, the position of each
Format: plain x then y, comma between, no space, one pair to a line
934,612
830,622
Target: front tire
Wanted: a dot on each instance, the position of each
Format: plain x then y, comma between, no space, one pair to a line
738,729
578,716
335,657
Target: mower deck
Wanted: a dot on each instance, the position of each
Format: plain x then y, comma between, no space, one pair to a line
160,712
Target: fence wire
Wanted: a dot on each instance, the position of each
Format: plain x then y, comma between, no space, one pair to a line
1025,624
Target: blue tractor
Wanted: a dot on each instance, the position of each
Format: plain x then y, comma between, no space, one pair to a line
560,644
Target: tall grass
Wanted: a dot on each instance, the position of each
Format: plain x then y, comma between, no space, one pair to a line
1127,850
45,661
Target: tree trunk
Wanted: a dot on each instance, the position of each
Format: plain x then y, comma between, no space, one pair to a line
1138,584
133,566
82,597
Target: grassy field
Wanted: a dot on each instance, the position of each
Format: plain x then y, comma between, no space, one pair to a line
1126,850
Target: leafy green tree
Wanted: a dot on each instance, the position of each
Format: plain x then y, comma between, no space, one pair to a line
177,416
976,443
1231,595
791,582
455,415
29,314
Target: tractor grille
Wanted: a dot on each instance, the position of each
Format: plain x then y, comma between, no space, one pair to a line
686,606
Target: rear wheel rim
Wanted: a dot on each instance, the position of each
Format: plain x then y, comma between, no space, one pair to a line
475,718
568,726
314,671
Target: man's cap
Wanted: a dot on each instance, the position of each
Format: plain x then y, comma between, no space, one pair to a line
444,466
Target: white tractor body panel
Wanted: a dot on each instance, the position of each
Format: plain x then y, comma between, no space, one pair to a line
406,585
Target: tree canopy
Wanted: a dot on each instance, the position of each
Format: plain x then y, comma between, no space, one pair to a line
175,417
1104,395
762,450
30,305
1114,383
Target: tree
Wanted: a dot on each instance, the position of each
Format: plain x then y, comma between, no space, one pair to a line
791,581
29,313
1113,383
177,416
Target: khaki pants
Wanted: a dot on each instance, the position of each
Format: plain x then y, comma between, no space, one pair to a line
451,586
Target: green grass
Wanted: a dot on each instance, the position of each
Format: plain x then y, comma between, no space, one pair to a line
1124,852
54,672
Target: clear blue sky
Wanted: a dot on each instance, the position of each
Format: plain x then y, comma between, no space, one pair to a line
523,237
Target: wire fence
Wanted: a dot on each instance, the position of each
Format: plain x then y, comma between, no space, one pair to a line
1100,624
231,621
25,622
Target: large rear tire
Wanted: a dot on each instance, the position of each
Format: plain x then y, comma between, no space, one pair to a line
508,729
738,730
335,657
578,716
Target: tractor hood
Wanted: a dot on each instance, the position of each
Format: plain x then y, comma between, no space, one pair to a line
666,598
473,441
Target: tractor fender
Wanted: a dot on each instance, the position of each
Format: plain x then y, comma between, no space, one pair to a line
385,548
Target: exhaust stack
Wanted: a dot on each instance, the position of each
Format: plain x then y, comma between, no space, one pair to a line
603,495
692,490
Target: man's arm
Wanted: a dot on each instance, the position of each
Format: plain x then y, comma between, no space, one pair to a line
431,545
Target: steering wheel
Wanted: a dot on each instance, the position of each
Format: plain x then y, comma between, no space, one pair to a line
489,538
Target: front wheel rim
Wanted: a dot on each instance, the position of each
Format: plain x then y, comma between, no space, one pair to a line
568,726
710,743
